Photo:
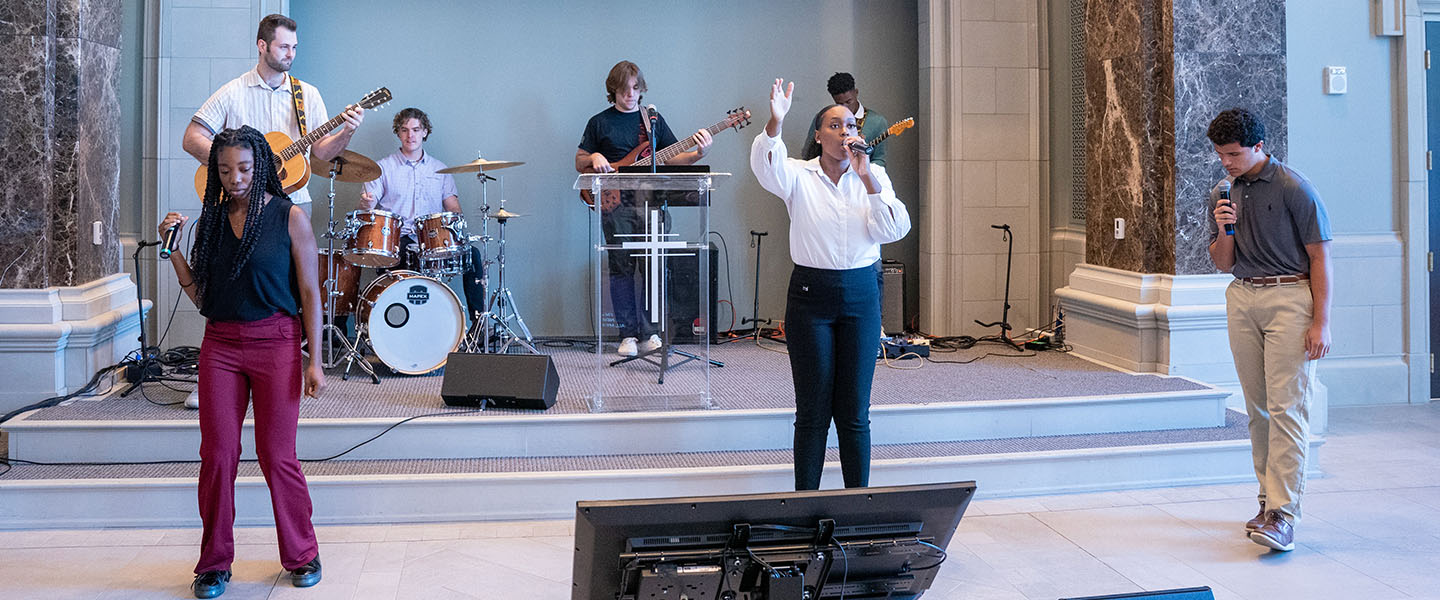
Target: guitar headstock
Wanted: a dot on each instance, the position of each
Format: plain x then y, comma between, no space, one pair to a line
738,118
376,98
900,126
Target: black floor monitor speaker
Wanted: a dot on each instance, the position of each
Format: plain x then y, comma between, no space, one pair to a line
503,380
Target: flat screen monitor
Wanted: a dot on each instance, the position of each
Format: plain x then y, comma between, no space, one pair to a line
881,542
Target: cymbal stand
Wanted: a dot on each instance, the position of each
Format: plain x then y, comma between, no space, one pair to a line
350,356
476,338
500,311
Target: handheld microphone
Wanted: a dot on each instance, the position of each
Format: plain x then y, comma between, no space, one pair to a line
860,147
168,246
1224,188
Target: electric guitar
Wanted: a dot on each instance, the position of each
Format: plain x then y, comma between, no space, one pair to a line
737,118
292,163
895,129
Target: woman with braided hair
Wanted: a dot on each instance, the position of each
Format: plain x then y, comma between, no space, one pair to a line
253,276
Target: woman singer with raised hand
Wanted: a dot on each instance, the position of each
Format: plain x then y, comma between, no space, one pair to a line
842,208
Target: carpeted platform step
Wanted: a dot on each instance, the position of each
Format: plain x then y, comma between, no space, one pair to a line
547,487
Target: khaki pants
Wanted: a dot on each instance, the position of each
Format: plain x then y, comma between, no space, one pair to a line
1267,337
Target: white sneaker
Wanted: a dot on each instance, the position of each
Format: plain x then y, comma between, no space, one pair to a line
651,344
193,400
627,347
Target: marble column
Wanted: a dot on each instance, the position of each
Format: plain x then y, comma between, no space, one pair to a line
59,173
1156,73
66,308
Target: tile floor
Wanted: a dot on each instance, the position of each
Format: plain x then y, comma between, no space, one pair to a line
1371,531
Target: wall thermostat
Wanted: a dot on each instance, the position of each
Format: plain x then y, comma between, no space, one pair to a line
1335,80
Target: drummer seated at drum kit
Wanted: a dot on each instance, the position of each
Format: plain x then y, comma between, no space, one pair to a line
410,191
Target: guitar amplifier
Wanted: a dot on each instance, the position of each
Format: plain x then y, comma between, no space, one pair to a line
892,297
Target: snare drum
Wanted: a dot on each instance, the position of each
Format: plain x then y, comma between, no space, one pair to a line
375,238
441,235
413,322
347,282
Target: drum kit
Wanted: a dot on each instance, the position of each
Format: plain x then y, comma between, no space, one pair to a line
410,319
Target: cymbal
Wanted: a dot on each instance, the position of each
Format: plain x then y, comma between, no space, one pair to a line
503,214
480,165
354,167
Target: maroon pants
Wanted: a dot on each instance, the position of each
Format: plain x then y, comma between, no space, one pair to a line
238,361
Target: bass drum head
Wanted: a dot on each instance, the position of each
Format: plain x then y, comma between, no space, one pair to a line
413,322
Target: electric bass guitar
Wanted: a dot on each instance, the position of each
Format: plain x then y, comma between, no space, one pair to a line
292,162
737,118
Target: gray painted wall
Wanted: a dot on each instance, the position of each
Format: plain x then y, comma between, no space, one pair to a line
517,81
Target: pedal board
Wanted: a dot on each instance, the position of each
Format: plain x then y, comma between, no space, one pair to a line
908,347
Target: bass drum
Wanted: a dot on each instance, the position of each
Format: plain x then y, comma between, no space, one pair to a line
413,322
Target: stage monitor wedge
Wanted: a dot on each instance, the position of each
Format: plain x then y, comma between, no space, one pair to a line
503,380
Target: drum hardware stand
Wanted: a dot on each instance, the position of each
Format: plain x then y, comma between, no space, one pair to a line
350,355
1004,322
500,307
755,307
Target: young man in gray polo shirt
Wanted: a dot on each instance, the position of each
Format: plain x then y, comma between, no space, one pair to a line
1273,235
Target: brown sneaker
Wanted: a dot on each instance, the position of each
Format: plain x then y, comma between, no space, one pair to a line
1275,534
1256,522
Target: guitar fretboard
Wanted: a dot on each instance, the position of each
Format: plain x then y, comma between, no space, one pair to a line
669,152
302,144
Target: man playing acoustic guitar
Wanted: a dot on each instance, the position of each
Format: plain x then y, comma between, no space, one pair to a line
262,99
609,137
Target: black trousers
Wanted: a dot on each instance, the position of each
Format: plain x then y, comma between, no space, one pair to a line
832,325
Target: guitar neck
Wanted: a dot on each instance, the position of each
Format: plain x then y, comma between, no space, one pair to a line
879,138
669,152
303,144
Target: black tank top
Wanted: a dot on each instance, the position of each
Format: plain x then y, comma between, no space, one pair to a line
266,284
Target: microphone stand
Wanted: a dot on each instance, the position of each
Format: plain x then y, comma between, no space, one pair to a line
148,366
1004,322
755,300
666,348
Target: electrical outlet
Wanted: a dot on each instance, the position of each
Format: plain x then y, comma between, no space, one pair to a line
97,233
1119,228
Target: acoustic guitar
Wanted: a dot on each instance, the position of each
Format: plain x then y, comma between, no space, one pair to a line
737,118
291,162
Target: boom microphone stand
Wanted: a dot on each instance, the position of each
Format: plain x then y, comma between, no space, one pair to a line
149,365
1004,322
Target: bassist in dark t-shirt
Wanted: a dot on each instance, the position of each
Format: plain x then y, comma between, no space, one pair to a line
609,137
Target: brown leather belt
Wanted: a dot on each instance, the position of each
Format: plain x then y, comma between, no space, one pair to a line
1275,280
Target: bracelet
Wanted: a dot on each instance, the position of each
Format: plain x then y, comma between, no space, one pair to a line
186,285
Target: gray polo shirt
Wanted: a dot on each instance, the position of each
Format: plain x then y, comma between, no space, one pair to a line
1279,212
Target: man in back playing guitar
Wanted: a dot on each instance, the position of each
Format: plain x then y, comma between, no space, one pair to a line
609,137
262,99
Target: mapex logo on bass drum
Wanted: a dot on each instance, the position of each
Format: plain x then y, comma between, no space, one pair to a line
418,295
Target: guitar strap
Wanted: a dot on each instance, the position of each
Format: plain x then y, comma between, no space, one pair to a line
297,95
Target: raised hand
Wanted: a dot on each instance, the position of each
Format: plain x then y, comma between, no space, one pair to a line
780,98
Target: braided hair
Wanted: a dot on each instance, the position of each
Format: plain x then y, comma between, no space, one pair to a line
214,221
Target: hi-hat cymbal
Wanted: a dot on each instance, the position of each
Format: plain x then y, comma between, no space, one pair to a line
503,214
354,167
481,164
